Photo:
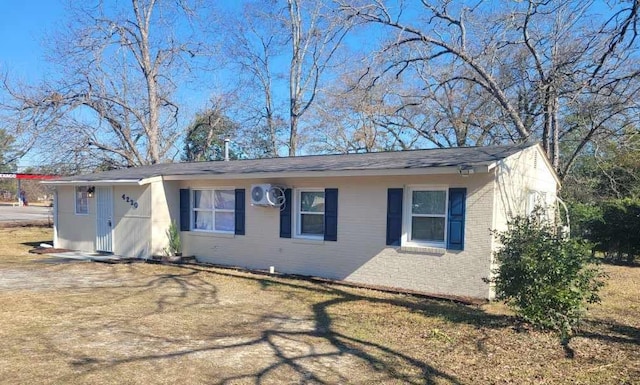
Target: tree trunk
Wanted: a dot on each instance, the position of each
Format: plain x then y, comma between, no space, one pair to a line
295,74
555,160
149,71
271,124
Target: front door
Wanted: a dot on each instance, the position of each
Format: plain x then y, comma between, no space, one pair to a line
104,218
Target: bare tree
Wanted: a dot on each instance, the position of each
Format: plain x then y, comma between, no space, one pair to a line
113,103
316,32
253,42
282,45
441,113
350,119
543,64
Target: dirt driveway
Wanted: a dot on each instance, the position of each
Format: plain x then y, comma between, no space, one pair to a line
83,322
91,323
109,323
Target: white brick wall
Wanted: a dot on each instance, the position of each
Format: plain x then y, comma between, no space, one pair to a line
360,254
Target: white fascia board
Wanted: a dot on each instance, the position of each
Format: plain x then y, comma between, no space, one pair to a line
105,182
478,169
150,180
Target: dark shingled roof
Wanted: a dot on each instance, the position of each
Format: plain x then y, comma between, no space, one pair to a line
397,160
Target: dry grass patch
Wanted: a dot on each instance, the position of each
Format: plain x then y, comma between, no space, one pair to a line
91,323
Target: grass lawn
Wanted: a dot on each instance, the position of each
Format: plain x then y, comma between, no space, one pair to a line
92,323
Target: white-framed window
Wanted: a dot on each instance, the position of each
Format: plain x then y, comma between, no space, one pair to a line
214,210
426,215
309,213
536,199
82,200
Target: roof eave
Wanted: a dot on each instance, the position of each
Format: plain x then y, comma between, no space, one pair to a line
85,182
438,170
451,170
151,179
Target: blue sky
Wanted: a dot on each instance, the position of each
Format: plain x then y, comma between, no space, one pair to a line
27,30
23,26
26,26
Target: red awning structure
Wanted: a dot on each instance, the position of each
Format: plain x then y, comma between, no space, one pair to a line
27,176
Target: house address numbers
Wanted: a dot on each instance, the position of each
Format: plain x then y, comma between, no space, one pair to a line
132,202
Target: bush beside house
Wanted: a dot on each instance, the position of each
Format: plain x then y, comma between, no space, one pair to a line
546,279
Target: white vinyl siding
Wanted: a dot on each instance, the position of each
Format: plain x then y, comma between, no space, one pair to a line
214,210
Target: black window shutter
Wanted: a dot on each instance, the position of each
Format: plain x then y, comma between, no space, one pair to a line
331,214
285,215
185,209
457,203
240,211
394,216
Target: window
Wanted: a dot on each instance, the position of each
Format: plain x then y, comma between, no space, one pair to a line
536,199
82,200
310,213
427,216
214,210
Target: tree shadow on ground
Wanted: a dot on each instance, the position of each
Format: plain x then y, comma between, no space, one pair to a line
610,331
308,349
311,348
37,243
624,263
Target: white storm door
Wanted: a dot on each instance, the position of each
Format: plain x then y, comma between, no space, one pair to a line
104,219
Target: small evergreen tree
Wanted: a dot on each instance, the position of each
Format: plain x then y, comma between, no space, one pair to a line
175,244
546,279
205,137
616,232
8,157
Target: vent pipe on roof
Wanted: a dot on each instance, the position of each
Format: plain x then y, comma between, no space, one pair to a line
226,149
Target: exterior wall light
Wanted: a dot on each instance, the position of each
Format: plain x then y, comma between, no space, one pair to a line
465,170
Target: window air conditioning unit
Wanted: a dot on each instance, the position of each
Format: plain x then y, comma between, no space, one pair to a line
266,195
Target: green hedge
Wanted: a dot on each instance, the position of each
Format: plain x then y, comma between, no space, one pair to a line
613,226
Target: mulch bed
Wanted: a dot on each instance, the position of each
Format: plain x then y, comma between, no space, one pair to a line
171,259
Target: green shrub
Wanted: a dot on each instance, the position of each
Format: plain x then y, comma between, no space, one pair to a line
175,245
616,232
583,216
546,279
